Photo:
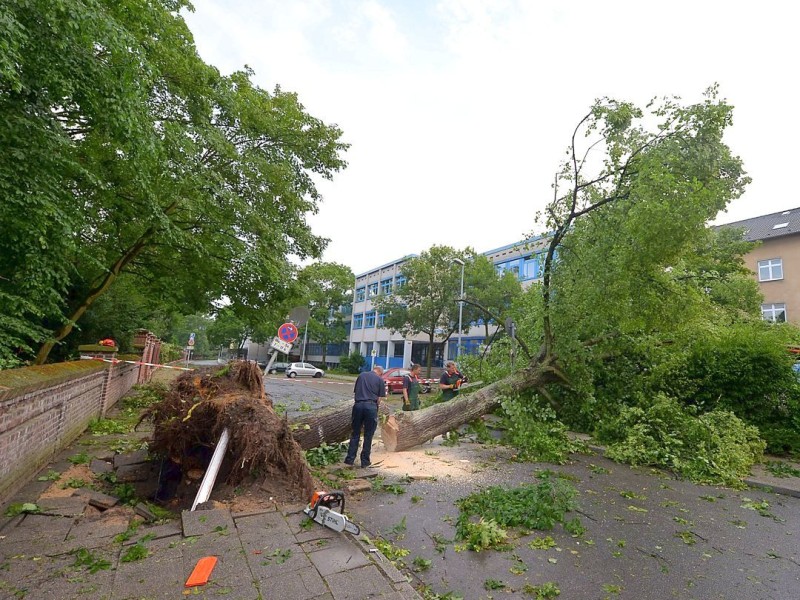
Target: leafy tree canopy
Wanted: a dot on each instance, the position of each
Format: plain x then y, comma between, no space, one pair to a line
328,289
428,301
126,153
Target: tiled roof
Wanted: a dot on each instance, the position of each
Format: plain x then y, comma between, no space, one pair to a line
770,226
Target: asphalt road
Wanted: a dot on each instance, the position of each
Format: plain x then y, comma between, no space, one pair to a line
648,536
303,394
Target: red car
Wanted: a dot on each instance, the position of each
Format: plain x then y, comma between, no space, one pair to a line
394,379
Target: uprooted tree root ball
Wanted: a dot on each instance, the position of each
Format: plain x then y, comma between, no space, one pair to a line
200,405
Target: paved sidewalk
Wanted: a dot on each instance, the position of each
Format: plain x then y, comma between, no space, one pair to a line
61,553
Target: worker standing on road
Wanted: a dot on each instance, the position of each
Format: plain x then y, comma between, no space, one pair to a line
450,381
368,391
411,388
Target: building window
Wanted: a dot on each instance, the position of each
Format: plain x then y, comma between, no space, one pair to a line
381,319
398,349
774,312
386,287
770,270
512,265
399,281
530,268
383,347
360,294
369,320
358,321
372,290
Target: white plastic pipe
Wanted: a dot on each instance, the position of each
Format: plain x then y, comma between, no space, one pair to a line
213,469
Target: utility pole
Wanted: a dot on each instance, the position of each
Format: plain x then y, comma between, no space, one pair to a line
458,261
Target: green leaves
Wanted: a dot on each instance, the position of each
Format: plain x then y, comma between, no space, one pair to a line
529,506
127,154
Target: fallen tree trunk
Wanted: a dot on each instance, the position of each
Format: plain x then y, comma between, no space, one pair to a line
329,425
408,429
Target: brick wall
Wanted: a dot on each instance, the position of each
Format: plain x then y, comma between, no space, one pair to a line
48,406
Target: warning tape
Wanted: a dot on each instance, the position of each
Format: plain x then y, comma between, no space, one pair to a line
135,362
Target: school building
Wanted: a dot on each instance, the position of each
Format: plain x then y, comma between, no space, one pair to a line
391,349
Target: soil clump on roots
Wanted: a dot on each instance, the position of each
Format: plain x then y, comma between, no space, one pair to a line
199,405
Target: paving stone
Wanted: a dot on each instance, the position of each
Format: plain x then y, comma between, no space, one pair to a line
341,555
132,473
357,584
305,584
144,512
58,578
151,578
252,513
46,530
96,499
171,529
105,455
10,522
70,506
100,466
200,522
315,545
91,533
357,485
212,544
259,529
131,458
20,548
276,557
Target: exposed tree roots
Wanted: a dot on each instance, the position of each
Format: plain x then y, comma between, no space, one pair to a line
200,405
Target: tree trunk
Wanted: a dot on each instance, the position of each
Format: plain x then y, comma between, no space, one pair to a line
408,429
329,425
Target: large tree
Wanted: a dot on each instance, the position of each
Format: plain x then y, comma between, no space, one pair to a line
428,300
125,153
327,289
631,206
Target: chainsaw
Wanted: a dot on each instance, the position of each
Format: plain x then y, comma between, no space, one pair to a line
321,510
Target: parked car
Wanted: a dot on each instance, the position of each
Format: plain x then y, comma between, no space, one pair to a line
394,380
303,370
278,367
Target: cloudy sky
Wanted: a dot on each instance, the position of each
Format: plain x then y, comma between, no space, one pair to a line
459,111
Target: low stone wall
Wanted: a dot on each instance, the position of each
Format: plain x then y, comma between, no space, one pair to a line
44,408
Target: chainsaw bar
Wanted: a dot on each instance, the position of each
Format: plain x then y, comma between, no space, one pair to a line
332,520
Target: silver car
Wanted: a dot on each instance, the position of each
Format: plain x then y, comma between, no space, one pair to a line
303,370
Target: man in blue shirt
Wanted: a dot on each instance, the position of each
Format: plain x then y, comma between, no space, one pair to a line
368,391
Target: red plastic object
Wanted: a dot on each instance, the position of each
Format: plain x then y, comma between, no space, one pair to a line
202,571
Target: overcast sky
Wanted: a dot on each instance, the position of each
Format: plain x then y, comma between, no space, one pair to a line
459,111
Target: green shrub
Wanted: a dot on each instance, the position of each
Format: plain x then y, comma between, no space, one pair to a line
353,362
715,447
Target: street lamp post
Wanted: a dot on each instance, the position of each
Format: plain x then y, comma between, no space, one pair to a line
458,261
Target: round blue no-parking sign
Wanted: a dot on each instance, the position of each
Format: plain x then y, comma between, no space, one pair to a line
287,332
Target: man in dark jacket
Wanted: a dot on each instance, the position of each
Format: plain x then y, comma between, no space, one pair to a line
368,391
